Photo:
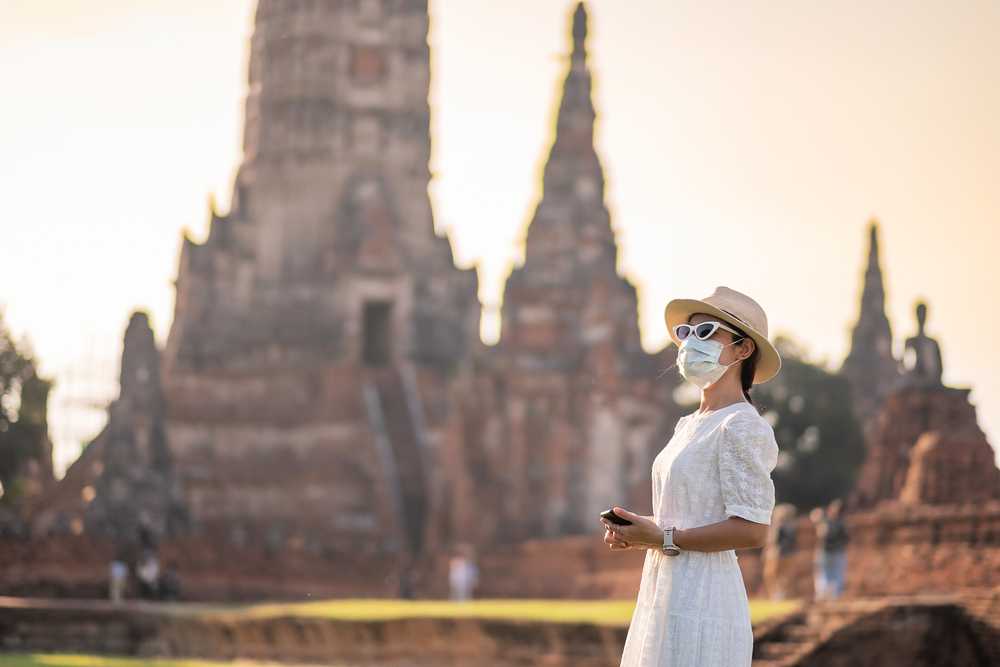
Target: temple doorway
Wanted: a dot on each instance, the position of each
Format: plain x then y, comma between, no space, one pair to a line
377,333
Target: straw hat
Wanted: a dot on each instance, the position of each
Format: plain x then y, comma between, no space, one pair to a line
732,308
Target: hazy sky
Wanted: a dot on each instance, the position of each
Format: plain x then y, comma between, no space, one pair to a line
746,143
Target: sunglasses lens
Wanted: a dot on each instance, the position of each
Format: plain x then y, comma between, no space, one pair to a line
704,330
682,331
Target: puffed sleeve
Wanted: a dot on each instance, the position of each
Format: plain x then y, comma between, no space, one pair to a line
747,455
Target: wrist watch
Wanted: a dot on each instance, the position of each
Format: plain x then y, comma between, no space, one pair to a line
669,548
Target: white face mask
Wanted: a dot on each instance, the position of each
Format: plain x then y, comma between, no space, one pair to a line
699,361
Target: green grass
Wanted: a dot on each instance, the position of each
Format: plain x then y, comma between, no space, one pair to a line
565,611
613,612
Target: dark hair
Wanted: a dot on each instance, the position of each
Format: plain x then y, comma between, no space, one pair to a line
749,368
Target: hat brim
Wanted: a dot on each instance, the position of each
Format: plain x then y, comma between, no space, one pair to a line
679,311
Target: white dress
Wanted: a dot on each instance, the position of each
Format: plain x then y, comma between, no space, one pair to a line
692,609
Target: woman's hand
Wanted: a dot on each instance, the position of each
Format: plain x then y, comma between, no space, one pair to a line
611,538
642,534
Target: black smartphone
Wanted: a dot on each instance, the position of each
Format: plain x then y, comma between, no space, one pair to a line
614,518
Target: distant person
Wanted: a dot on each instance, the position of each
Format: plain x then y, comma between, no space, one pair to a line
712,494
117,579
147,571
832,537
463,577
818,516
778,550
170,584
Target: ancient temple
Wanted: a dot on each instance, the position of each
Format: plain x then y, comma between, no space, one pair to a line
927,448
123,486
305,371
563,418
870,366
323,384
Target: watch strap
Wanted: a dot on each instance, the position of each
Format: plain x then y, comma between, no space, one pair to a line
669,548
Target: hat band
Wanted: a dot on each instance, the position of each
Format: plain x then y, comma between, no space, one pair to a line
736,317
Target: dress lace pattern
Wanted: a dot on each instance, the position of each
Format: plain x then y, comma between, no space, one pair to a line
692,609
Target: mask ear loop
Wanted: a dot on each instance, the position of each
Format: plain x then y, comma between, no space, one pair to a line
730,345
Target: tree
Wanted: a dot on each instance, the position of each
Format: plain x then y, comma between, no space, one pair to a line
820,442
25,451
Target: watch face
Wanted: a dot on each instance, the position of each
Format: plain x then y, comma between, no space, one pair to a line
671,551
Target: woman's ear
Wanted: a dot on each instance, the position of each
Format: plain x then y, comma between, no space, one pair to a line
747,345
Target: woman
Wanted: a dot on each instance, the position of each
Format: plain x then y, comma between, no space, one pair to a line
712,493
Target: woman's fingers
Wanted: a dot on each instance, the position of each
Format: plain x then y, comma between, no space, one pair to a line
614,541
614,535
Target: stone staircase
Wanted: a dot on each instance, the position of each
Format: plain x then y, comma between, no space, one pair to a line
401,428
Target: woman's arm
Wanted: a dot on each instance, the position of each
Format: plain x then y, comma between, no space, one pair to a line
733,533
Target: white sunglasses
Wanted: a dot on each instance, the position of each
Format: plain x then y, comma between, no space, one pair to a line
702,331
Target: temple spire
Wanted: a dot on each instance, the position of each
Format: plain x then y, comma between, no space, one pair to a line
874,292
570,249
580,32
572,209
871,366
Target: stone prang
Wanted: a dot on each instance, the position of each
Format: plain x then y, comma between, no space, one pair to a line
870,366
315,329
564,417
123,486
135,492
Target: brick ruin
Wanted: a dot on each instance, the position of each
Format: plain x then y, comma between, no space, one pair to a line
925,512
926,509
928,450
306,371
323,388
324,410
926,447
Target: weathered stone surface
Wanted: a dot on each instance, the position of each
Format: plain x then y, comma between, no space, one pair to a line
947,468
924,549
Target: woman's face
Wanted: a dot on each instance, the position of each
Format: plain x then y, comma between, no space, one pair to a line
730,353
